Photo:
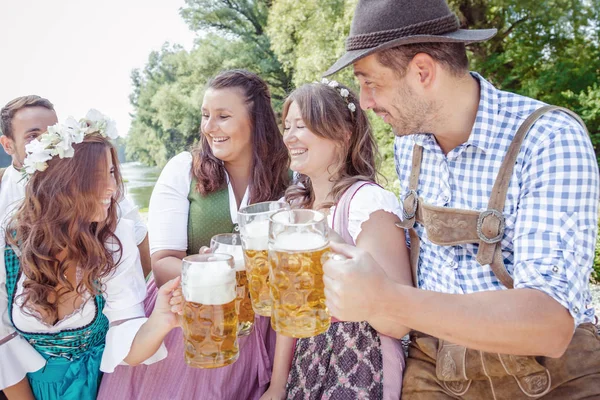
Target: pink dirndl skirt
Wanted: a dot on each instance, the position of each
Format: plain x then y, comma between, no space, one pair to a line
171,378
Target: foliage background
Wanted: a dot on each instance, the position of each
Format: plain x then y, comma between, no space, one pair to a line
547,49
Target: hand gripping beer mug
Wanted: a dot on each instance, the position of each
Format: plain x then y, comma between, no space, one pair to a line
254,230
210,321
298,239
230,243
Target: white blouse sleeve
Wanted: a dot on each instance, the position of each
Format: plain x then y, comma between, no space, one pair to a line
125,291
17,357
126,209
367,200
169,206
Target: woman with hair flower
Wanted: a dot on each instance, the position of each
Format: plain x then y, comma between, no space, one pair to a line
241,159
71,283
336,159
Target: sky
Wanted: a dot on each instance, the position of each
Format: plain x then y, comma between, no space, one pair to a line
79,53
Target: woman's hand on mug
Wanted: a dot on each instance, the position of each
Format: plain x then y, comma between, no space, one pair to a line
204,250
169,303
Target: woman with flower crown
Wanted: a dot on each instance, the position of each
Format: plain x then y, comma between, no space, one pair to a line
71,283
240,159
333,149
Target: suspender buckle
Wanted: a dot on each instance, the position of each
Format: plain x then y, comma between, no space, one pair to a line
409,205
501,222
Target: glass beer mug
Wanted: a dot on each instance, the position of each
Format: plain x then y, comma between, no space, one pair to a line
298,240
230,243
210,320
253,221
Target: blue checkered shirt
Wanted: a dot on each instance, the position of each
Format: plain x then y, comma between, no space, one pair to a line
551,207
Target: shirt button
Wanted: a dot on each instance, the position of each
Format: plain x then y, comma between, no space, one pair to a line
453,264
555,269
576,310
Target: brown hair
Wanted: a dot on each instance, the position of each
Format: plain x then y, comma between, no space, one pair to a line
326,114
10,109
452,55
54,230
270,159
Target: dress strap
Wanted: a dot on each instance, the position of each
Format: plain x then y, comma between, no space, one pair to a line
13,272
341,213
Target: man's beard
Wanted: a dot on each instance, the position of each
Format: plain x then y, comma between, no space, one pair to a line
410,113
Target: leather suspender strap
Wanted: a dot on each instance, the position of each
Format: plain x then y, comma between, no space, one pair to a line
409,211
411,199
2,171
491,223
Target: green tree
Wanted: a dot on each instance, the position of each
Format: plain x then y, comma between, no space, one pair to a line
244,21
168,92
548,50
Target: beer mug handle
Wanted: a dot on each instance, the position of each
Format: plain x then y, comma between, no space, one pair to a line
240,291
330,255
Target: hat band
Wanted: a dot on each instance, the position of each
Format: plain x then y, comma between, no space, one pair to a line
438,26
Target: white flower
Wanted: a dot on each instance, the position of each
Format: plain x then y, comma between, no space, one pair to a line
95,116
64,148
352,107
325,81
74,129
37,155
99,122
333,84
111,129
344,92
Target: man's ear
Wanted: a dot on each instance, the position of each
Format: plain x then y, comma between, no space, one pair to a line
8,145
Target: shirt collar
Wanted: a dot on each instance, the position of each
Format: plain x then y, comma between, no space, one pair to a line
485,127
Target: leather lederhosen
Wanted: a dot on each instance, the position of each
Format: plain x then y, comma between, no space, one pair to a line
438,369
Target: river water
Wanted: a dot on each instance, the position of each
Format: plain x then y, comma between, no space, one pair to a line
139,181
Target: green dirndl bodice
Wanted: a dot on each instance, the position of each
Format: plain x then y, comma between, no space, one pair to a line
73,356
208,216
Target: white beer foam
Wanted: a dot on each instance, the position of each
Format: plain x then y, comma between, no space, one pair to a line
255,235
299,241
236,251
209,284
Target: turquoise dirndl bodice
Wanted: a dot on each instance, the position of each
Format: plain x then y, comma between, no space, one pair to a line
73,356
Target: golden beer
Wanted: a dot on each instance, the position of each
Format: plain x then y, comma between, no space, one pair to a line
210,311
210,334
296,245
230,243
246,314
254,231
257,268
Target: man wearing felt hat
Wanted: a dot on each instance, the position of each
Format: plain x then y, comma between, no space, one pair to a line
500,202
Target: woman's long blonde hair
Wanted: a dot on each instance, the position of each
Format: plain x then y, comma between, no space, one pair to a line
326,114
56,218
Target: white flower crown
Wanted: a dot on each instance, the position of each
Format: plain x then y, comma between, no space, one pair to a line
343,92
59,139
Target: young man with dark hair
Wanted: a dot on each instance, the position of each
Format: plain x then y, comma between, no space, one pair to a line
500,199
